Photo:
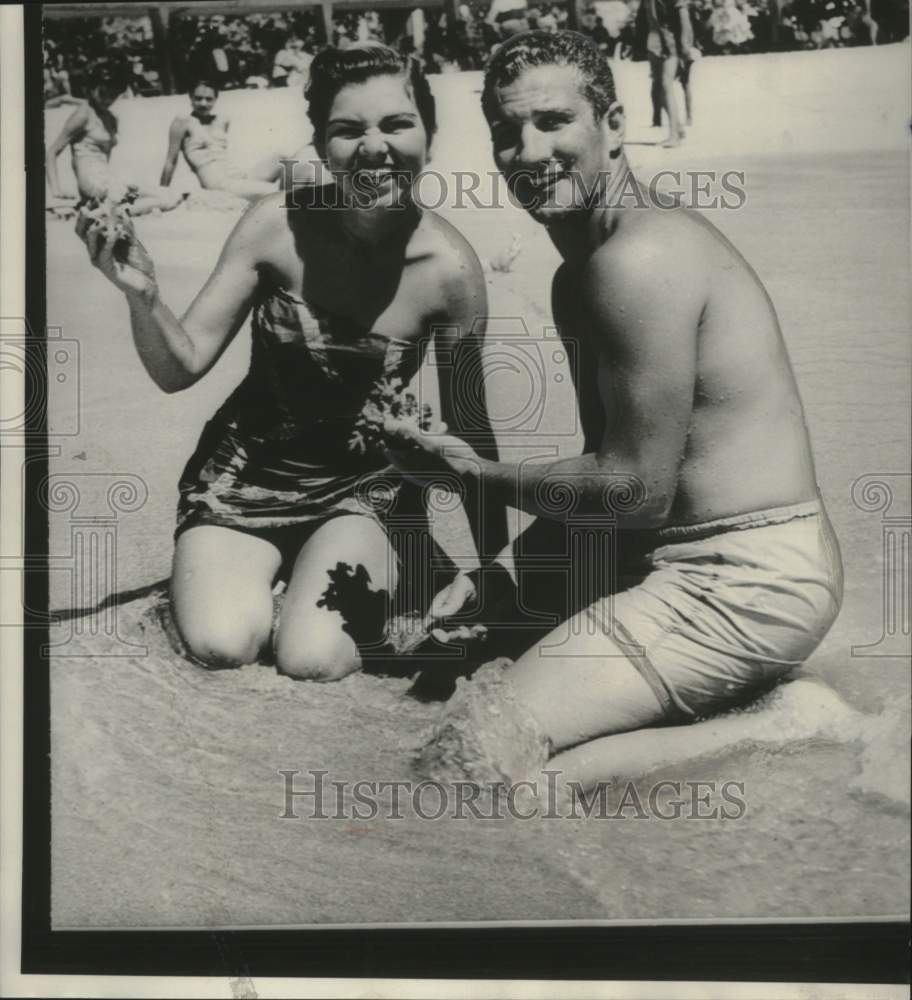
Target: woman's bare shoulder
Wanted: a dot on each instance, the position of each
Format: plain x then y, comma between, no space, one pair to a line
449,252
262,227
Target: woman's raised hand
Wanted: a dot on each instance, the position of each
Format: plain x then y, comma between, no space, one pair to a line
114,248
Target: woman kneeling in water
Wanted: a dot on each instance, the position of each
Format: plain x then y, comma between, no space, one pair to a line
345,302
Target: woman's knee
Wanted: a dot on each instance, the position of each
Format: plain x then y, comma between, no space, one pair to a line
225,643
320,653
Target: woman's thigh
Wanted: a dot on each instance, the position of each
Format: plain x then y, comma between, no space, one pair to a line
338,598
221,592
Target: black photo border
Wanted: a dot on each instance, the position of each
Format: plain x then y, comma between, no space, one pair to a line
825,952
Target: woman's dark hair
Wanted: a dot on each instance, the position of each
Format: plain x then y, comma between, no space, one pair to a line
542,48
334,69
202,82
106,77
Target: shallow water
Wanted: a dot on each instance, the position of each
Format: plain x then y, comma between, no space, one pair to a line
167,803
166,791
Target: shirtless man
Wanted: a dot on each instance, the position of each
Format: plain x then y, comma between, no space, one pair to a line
729,573
202,137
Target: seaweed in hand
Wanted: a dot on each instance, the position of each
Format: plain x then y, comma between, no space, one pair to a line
387,399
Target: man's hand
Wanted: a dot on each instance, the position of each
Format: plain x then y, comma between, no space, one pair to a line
449,602
452,599
423,456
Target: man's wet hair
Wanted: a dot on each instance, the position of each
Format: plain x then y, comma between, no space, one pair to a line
333,69
203,82
543,48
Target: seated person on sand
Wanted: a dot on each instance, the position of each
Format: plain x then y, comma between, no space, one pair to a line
202,137
728,574
289,478
91,134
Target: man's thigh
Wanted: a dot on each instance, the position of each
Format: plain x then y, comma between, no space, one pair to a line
558,569
580,683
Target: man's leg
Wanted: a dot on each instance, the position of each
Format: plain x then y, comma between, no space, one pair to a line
580,684
796,710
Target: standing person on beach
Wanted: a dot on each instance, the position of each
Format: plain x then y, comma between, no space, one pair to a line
728,573
202,138
669,43
286,481
91,134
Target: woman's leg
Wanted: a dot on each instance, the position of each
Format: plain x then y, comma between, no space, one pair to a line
669,75
655,90
221,593
302,166
153,199
318,639
220,177
248,187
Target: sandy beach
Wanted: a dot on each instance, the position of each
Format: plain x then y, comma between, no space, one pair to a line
166,792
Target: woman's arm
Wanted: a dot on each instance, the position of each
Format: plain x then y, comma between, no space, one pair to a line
175,139
458,349
178,352
72,128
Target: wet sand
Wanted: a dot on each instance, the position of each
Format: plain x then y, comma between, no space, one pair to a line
166,791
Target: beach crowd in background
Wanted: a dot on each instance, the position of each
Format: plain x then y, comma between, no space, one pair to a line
269,50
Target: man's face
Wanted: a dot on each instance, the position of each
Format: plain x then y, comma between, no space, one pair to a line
548,143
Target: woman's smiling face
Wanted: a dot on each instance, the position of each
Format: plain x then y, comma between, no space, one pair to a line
375,143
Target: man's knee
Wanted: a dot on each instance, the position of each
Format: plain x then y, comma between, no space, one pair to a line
320,653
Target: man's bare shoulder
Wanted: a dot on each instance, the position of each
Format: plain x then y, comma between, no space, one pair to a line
653,242
651,267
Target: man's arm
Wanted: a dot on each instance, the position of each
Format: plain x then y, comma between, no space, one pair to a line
643,307
175,139
642,303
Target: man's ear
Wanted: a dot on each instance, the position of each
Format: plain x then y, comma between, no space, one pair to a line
615,123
